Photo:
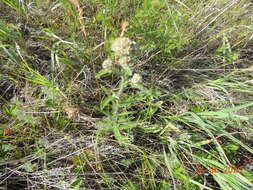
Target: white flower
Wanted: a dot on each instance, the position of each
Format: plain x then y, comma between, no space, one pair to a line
123,60
121,46
107,64
136,79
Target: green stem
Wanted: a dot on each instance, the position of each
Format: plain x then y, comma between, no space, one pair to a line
121,88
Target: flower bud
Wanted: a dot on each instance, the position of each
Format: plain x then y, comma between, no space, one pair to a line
107,64
136,79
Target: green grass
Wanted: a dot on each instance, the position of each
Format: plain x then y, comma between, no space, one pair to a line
165,104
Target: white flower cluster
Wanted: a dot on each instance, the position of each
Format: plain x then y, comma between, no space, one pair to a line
107,64
136,79
122,49
122,46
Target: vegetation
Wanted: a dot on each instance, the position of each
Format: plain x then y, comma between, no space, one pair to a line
134,94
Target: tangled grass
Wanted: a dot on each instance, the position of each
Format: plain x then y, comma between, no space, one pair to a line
153,94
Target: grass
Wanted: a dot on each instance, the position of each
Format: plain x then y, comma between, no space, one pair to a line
126,95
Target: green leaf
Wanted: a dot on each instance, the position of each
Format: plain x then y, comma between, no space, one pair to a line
106,101
103,72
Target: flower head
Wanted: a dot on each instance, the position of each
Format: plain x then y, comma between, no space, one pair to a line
122,46
136,79
107,64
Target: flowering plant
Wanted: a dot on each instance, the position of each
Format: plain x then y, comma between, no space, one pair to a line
124,111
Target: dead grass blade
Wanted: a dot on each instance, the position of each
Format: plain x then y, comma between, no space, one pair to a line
76,3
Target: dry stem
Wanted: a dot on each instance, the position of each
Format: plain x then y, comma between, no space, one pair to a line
80,15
